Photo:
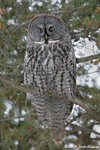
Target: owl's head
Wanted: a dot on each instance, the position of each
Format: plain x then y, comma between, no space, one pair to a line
46,28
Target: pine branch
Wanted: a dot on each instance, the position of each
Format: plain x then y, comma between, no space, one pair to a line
5,66
15,85
81,102
18,117
88,58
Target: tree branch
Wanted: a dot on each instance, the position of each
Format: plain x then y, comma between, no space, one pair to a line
18,117
4,65
88,58
78,60
15,85
81,102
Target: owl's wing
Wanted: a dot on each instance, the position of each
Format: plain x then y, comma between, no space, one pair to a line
71,62
72,69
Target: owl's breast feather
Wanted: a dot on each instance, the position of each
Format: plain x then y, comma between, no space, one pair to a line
48,61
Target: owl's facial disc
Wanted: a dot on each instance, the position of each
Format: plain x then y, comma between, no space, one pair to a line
45,29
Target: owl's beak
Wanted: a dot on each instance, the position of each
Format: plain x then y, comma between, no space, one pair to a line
46,38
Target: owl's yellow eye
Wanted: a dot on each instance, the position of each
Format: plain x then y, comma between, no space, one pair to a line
51,29
40,30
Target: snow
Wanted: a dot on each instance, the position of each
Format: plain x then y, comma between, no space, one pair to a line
83,48
16,142
8,106
97,129
39,3
97,82
32,148
11,21
55,1
18,115
19,1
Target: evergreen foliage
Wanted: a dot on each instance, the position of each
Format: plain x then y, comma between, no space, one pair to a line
24,133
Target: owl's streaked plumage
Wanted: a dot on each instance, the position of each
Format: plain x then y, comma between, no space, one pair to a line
50,66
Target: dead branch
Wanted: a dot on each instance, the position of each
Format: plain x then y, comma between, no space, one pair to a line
88,58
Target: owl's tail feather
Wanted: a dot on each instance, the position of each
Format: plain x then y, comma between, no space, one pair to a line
58,137
57,112
53,112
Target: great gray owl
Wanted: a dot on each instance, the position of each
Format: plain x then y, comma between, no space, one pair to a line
50,66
